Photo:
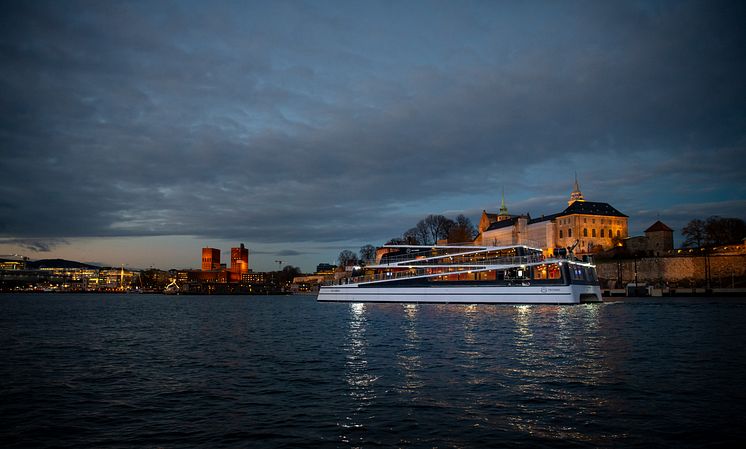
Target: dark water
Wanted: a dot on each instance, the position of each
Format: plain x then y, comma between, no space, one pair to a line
160,371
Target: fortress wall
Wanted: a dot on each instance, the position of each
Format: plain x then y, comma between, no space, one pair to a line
540,234
675,269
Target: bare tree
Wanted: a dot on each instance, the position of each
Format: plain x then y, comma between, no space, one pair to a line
462,231
433,228
724,231
367,254
694,232
413,236
347,258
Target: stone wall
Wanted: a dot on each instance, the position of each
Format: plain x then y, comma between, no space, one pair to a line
540,234
725,270
501,236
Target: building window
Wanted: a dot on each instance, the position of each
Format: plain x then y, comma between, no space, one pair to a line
585,232
610,233
617,232
560,233
602,232
569,232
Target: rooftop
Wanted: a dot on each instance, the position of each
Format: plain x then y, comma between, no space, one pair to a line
658,226
591,208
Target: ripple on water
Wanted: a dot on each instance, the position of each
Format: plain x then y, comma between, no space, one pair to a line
123,371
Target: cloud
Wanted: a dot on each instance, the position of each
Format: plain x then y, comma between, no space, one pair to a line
304,123
291,252
35,245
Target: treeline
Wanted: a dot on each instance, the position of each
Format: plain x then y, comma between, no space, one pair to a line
437,227
426,232
714,231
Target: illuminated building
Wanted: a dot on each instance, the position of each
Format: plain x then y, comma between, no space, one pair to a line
12,265
658,239
240,260
210,259
254,278
593,226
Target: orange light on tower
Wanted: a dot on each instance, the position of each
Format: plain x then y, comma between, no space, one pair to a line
210,259
240,260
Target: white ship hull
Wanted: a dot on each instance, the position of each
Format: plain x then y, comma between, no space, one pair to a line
555,294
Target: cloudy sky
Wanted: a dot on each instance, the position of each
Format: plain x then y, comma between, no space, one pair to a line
137,132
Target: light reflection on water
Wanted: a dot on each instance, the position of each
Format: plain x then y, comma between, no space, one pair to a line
357,375
556,349
409,357
471,324
88,371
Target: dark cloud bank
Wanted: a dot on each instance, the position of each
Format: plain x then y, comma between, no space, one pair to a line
299,122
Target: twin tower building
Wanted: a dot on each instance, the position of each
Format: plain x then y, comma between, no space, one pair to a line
239,260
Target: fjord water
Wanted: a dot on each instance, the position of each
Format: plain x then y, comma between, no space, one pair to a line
247,371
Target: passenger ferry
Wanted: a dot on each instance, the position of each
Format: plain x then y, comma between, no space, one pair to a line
516,274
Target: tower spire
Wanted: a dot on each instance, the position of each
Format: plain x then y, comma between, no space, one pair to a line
576,194
503,208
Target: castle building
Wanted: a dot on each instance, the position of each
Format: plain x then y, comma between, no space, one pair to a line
210,259
587,226
660,237
657,240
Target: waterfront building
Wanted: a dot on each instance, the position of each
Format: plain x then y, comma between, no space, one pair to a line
658,239
254,278
210,259
325,268
16,263
588,226
240,260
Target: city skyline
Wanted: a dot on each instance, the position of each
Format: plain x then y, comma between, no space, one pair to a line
135,134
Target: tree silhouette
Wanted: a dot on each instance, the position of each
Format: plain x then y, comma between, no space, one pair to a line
347,258
694,232
367,254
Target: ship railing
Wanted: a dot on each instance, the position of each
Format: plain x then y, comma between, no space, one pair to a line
439,270
469,260
464,257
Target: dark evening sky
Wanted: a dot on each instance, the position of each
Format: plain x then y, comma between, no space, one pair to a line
137,132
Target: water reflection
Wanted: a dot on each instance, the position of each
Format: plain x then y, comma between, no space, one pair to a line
470,324
409,359
521,318
557,356
357,375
